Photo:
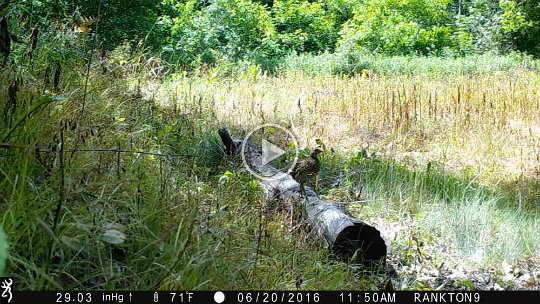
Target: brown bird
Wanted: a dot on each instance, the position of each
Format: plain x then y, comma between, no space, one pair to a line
307,168
302,171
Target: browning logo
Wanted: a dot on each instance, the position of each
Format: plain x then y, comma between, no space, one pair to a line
6,296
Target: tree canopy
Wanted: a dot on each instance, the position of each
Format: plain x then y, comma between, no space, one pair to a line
190,32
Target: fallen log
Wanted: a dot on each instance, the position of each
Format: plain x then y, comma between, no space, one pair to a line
348,238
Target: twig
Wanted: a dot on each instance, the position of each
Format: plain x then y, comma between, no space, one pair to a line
358,202
118,162
62,197
62,182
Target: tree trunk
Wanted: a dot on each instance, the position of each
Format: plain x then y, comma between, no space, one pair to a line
347,237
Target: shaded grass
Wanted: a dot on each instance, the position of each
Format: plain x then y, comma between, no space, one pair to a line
177,226
482,225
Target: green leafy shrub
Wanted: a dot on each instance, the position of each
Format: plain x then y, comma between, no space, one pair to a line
521,24
304,26
119,20
399,27
478,29
224,30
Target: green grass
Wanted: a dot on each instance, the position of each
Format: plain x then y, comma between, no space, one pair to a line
173,224
373,64
465,216
167,220
438,222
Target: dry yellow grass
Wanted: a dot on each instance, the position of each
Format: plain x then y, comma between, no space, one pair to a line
481,129
486,126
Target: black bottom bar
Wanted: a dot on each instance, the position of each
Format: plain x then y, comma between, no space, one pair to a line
248,297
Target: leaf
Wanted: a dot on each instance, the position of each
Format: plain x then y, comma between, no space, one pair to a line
465,283
304,152
227,175
71,242
320,143
223,180
221,212
85,23
291,145
253,185
115,226
113,236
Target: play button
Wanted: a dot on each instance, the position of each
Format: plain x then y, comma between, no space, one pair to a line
277,151
270,152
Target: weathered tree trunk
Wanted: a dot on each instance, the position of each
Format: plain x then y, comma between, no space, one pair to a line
347,237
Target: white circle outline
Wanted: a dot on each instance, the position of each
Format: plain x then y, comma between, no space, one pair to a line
279,175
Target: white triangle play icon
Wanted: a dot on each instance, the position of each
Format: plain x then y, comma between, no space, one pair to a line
270,152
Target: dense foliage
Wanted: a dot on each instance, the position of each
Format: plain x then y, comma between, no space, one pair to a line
191,32
222,30
521,24
263,31
400,27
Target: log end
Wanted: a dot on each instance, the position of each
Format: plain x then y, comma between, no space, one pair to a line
230,146
365,241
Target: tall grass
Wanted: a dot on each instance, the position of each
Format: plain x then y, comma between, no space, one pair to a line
485,126
478,224
128,194
480,130
343,63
